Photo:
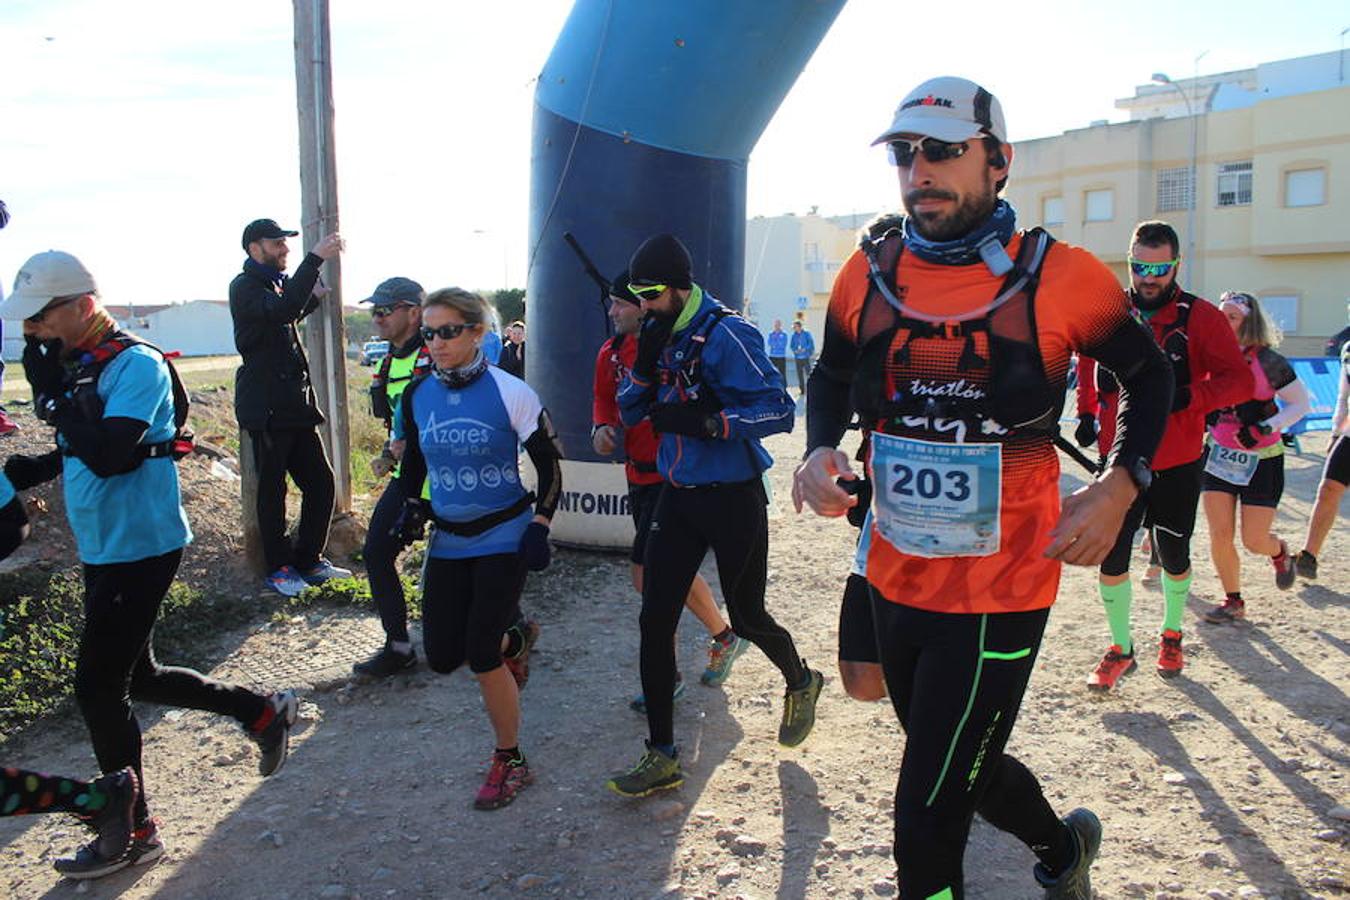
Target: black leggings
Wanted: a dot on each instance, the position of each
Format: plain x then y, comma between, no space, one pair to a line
956,682
1169,507
467,605
381,557
24,792
297,452
731,519
117,663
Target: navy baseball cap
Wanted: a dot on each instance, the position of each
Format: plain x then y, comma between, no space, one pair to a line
396,290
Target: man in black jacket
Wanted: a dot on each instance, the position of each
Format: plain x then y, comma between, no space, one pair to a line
274,402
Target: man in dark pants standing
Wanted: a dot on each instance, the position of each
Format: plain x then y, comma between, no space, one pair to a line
701,376
397,311
274,403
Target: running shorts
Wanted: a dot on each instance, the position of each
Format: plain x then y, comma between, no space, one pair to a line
1337,467
1265,488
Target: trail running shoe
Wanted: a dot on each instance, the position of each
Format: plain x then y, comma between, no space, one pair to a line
639,703
146,844
1114,666
1284,568
273,735
386,661
322,571
1306,565
519,665
720,657
507,776
654,772
286,581
1226,612
799,710
7,425
1170,661
112,825
1075,882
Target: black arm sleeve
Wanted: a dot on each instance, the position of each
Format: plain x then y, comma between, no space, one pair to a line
1145,379
13,526
108,446
828,406
412,467
546,454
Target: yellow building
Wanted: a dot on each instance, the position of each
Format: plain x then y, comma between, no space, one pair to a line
1271,191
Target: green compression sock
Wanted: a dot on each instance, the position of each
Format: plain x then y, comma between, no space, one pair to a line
1174,599
1117,598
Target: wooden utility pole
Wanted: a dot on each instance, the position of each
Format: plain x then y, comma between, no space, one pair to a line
325,332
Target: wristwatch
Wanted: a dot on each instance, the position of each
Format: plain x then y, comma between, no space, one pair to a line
1139,470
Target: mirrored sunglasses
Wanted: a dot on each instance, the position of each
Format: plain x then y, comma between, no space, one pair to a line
1152,269
901,152
647,291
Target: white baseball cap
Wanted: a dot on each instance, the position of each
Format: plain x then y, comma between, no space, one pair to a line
42,279
949,109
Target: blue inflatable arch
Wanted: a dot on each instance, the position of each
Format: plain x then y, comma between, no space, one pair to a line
645,115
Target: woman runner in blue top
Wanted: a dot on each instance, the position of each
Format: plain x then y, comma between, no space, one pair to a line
464,424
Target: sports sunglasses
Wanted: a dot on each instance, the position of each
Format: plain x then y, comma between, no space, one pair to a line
1151,269
647,291
901,152
445,332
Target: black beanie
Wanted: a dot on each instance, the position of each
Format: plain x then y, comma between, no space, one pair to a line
618,287
661,259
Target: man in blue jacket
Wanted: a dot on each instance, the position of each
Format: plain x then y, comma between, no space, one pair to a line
803,348
702,378
778,346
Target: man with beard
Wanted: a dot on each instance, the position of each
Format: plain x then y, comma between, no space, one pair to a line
949,333
1209,373
274,403
702,378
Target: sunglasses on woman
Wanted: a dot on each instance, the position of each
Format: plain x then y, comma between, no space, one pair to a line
901,152
1151,269
445,332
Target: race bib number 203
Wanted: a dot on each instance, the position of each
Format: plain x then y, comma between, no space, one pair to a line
937,500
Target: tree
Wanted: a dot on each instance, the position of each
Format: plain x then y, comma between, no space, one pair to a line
360,327
510,304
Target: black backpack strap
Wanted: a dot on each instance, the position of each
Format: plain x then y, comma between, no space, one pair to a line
475,527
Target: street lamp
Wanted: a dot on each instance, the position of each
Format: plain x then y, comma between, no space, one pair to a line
1161,78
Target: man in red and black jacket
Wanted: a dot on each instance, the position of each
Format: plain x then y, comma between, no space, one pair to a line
1209,374
640,443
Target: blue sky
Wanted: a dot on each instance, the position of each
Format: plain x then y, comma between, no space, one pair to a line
142,135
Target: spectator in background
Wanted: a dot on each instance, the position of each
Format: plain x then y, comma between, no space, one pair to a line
803,348
274,402
777,343
492,341
513,351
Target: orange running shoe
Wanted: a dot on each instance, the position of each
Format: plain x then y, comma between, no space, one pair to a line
1170,661
1114,666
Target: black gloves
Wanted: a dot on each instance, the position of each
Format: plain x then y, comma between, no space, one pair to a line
1181,397
651,341
1253,411
411,523
46,376
534,549
1085,435
30,471
862,489
696,419
1249,435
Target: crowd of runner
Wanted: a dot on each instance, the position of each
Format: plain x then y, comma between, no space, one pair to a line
949,339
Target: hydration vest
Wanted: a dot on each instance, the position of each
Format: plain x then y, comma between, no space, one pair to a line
1017,395
1175,344
688,378
83,386
383,384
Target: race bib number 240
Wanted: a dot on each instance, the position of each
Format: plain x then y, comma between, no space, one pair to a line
936,500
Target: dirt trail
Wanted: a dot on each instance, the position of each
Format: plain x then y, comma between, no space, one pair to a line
1229,782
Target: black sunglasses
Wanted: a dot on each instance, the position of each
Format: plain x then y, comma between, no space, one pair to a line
380,312
445,332
37,317
902,152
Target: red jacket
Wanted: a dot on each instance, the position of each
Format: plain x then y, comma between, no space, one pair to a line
639,442
1220,377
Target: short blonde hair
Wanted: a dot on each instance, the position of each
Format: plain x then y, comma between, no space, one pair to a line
1256,330
470,306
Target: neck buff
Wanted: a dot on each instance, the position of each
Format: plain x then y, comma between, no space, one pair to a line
99,326
464,375
1149,307
965,250
267,273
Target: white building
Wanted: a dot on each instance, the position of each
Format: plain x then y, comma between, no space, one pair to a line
195,328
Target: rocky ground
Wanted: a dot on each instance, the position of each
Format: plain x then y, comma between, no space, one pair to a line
1229,782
